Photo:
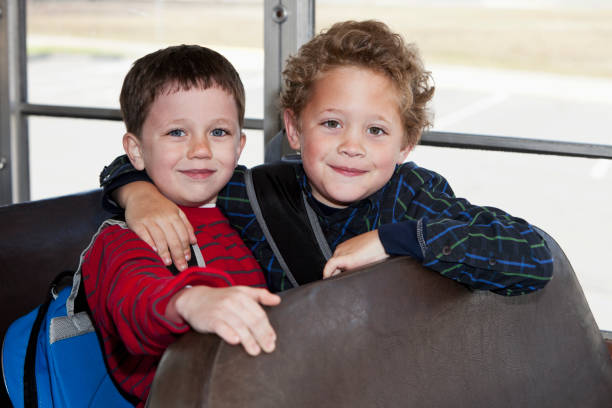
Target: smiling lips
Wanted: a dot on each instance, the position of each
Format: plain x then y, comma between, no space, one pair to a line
198,174
348,171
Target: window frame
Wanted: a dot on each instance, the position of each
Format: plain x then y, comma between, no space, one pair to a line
287,25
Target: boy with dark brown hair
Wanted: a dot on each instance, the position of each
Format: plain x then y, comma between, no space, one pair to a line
183,108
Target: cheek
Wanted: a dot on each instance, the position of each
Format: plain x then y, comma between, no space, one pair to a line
165,156
386,159
315,149
313,157
226,155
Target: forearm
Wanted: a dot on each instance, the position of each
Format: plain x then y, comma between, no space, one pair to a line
144,306
490,251
135,192
128,289
113,177
482,247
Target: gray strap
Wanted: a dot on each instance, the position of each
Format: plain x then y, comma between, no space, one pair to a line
198,254
64,327
316,227
76,280
248,180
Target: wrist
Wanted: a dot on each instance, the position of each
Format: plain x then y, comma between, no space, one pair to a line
176,305
181,305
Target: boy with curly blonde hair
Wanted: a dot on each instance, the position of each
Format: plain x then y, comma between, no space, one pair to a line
354,105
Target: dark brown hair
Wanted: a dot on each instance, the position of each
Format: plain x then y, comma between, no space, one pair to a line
180,67
368,44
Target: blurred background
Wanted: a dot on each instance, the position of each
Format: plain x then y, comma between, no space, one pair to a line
529,69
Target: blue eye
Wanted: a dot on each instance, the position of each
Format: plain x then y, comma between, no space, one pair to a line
176,132
219,132
375,130
333,124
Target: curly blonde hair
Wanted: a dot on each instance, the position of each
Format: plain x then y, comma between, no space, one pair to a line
368,44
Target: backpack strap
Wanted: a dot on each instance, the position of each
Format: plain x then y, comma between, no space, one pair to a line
30,392
290,226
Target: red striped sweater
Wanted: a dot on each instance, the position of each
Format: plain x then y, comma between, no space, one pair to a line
128,288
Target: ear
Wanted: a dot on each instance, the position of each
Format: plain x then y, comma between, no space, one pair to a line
291,127
403,154
240,146
131,145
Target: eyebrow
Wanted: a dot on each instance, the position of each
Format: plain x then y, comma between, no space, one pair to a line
339,111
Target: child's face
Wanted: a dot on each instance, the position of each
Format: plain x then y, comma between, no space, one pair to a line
350,134
190,144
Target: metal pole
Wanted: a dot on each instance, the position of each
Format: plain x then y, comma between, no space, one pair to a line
14,165
287,25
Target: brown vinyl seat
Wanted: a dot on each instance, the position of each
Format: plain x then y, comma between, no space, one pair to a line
398,335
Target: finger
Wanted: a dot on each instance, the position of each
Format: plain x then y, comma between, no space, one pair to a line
174,245
256,319
244,333
266,298
330,267
228,334
262,296
143,233
183,238
159,238
189,228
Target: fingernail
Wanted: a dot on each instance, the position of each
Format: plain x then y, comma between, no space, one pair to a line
167,261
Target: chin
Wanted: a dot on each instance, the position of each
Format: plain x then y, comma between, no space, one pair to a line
344,200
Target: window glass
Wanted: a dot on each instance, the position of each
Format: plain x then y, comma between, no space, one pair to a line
67,155
79,51
569,198
535,69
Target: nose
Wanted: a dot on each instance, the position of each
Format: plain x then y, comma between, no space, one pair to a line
199,148
351,144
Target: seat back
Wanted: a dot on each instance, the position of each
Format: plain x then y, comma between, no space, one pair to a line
398,335
39,240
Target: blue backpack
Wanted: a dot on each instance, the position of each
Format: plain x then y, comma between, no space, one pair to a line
52,357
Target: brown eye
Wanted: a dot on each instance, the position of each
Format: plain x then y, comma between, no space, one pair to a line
332,124
375,130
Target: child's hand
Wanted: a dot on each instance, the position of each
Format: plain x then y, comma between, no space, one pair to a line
358,251
157,221
234,313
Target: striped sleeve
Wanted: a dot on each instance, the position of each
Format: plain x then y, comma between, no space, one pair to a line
128,288
482,247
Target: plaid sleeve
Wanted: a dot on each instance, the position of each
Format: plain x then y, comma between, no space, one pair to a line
481,247
117,174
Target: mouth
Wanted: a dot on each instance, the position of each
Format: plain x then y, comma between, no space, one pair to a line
348,171
198,174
